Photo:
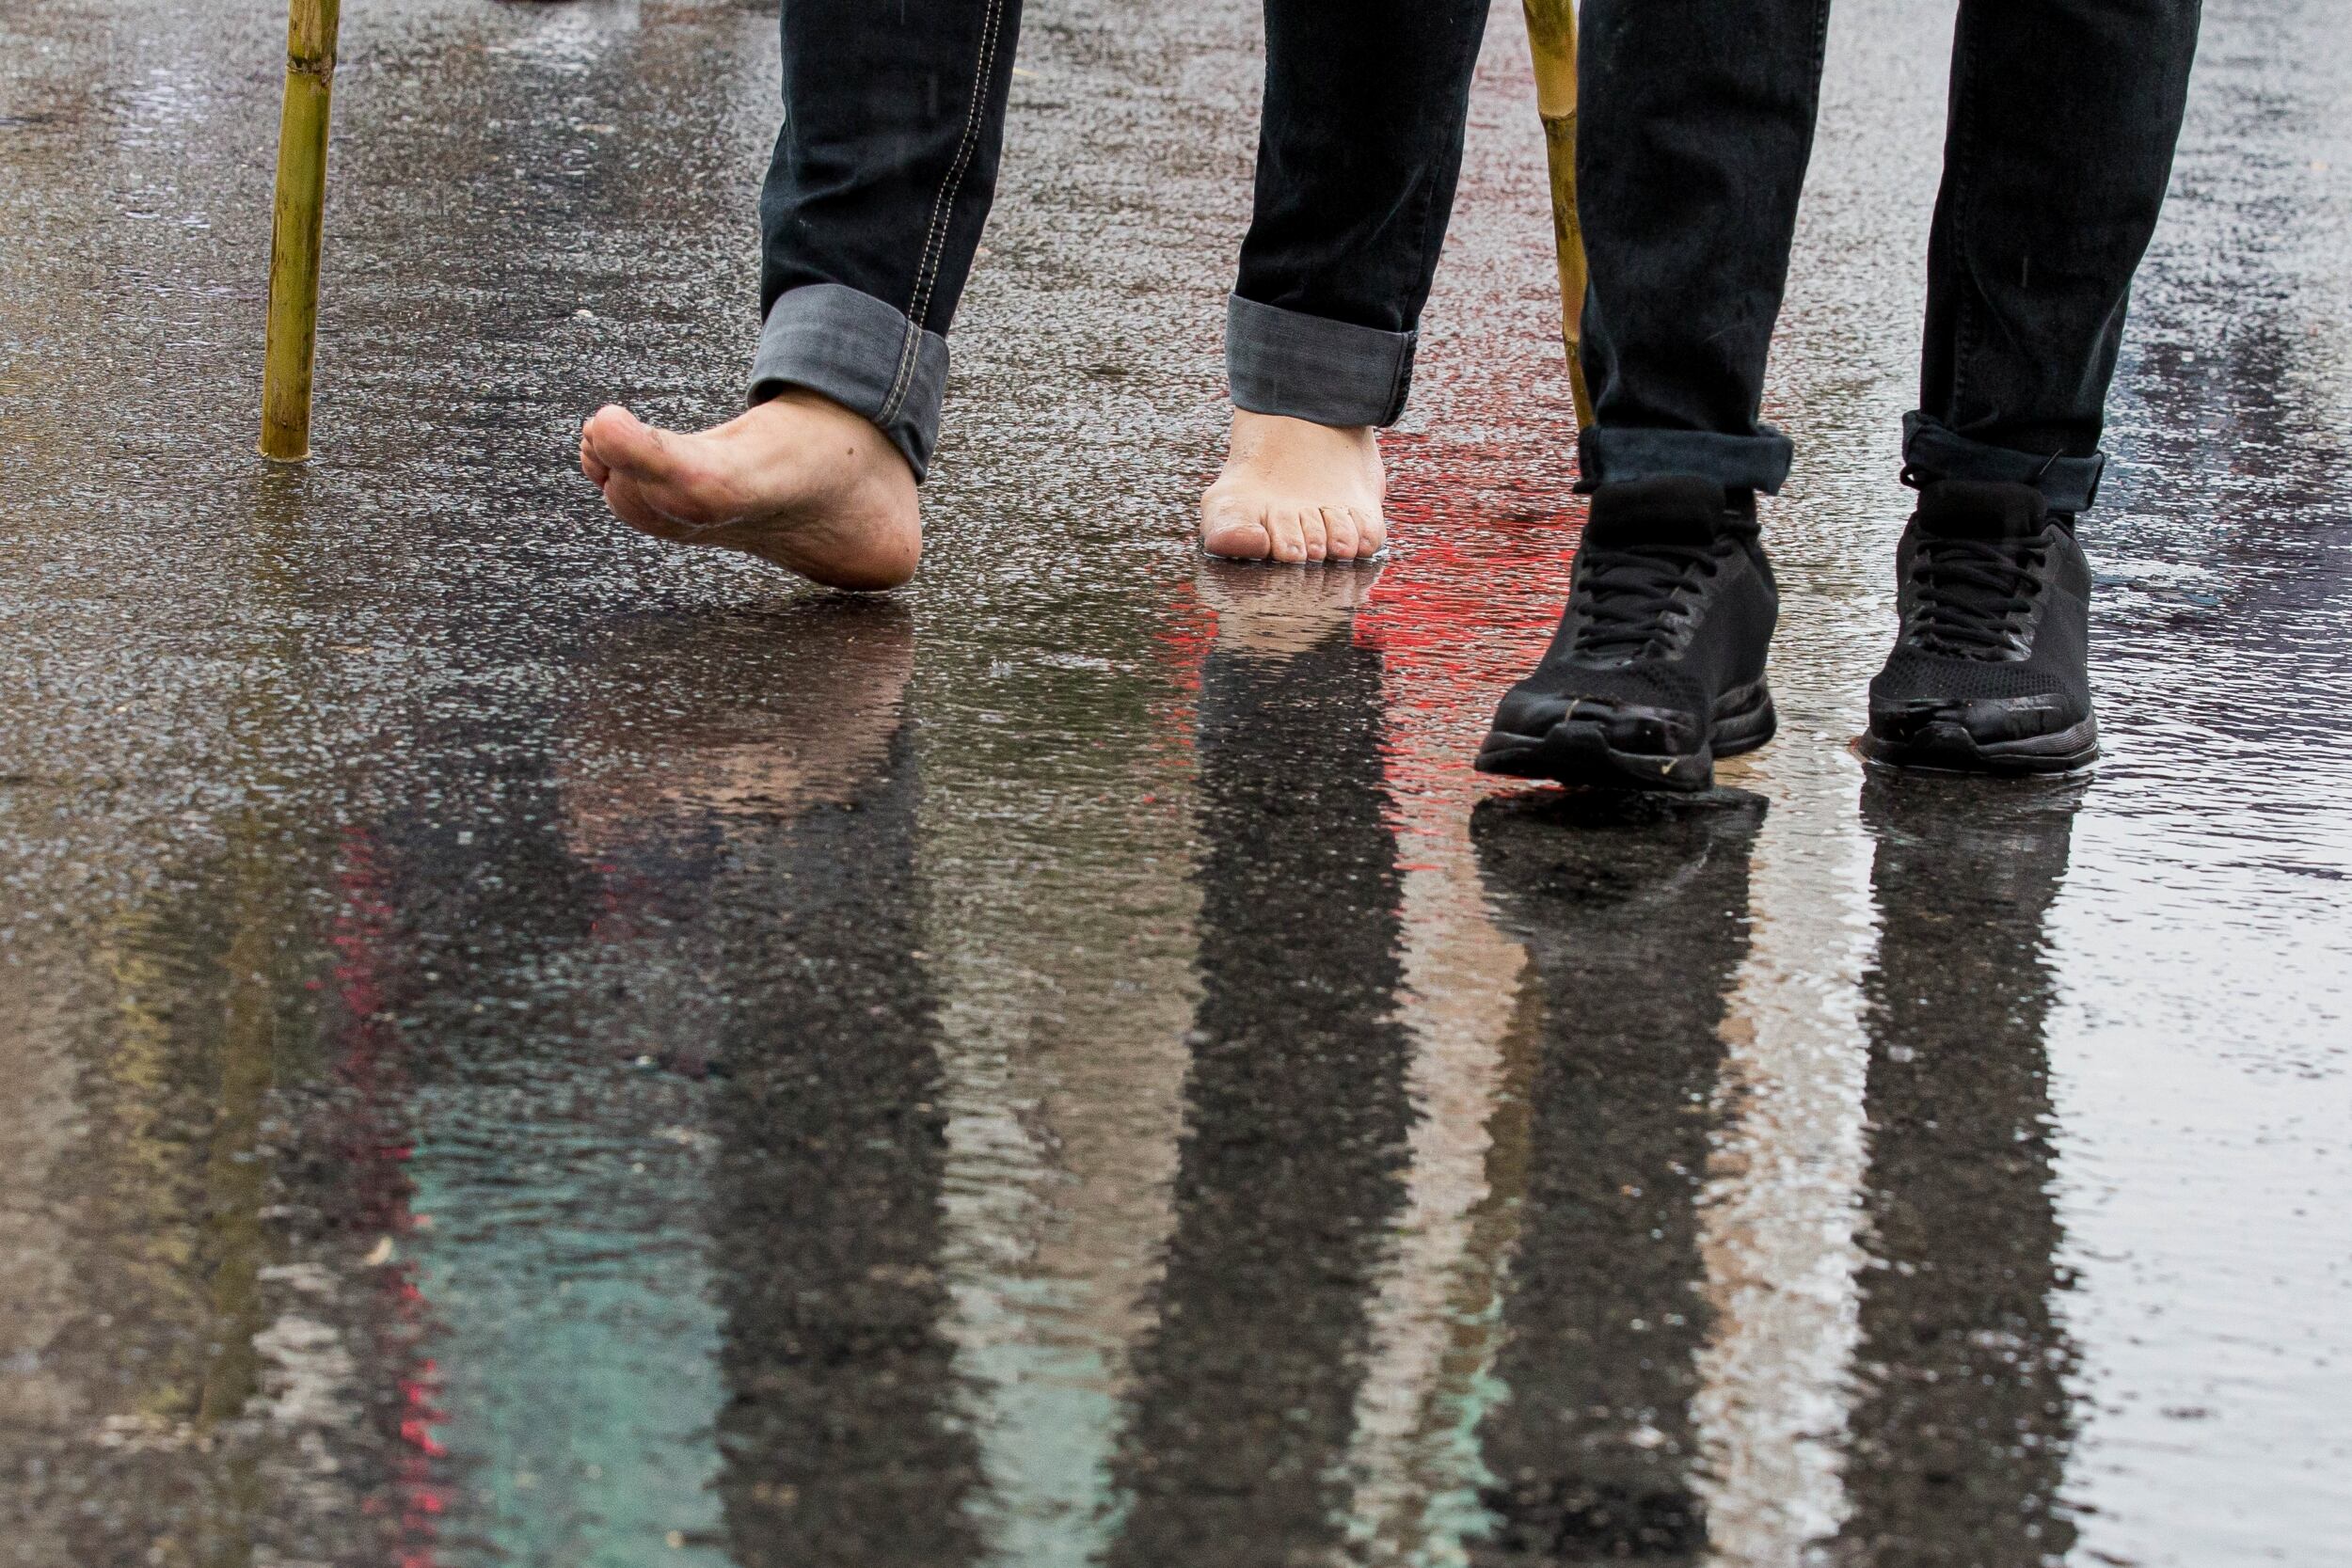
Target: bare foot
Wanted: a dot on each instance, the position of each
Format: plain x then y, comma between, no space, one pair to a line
798,481
1293,490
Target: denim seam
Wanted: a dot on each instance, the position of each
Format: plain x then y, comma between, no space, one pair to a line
1435,221
942,218
1965,326
1820,58
1812,133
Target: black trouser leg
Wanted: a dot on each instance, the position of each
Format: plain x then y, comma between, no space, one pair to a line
1695,126
1358,154
2064,114
894,119
1694,122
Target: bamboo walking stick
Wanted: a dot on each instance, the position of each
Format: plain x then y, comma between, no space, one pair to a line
294,228
1551,34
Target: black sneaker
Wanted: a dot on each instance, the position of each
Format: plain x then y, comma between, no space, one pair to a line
1991,670
1658,668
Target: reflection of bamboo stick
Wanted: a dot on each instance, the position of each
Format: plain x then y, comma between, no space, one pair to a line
294,236
1551,34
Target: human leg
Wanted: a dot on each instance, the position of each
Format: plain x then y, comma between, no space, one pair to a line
1695,127
1696,121
1359,150
2063,118
879,185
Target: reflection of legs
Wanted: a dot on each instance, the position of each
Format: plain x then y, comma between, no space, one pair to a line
1959,1444
1357,158
883,173
1635,922
1296,1124
1280,614
837,1438
687,724
745,788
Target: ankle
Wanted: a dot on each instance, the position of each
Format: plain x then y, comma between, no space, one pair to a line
1252,433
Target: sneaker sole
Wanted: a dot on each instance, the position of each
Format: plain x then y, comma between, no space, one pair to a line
1948,748
1577,751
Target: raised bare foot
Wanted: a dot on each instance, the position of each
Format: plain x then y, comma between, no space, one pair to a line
798,481
1293,490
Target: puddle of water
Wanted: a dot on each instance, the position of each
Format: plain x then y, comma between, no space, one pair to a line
529,1047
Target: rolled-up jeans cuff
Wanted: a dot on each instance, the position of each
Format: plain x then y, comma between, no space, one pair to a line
1333,372
1933,451
1610,455
862,353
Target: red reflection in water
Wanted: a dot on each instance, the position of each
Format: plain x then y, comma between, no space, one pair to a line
376,1144
1484,533
1481,535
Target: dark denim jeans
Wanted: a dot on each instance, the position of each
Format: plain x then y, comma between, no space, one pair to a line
894,117
1697,119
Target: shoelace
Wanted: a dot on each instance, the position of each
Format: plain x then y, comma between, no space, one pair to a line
1972,592
1627,595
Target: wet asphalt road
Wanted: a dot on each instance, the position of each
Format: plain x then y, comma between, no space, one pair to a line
525,1047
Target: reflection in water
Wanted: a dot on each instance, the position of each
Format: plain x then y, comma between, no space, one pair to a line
1960,1435
772,823
177,1340
1635,919
1296,1110
535,1250
826,1220
180,1336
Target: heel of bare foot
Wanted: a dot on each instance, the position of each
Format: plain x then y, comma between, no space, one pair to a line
1295,490
798,481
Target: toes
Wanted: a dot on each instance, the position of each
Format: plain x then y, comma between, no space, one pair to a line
1244,530
1311,530
1287,534
1371,531
669,476
1340,533
629,504
619,439
1226,529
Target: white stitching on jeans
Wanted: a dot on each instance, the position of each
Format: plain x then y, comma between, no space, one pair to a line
942,218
